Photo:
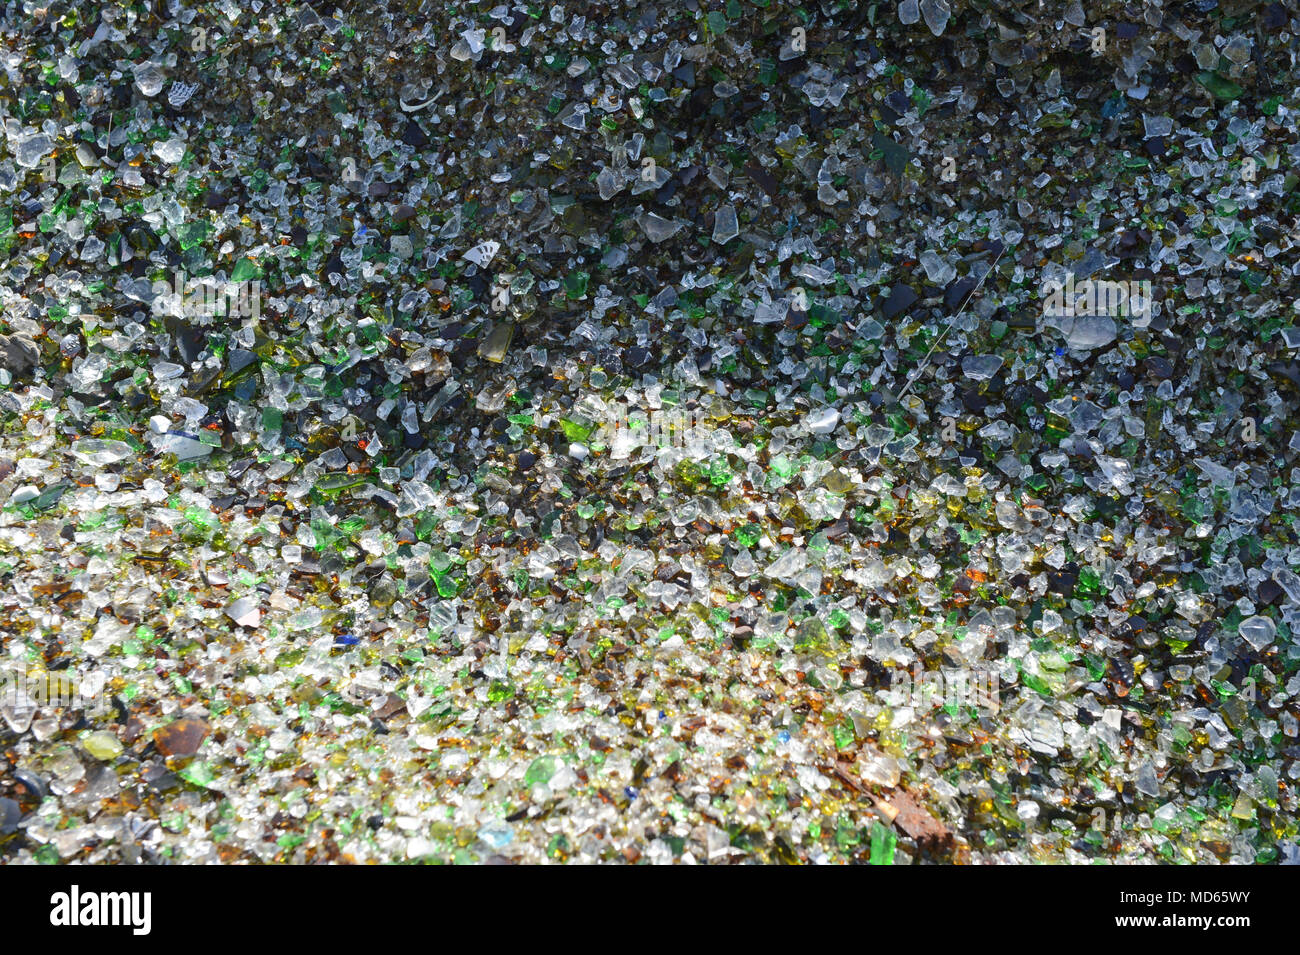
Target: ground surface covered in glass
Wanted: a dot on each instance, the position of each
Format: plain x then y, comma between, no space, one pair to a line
714,432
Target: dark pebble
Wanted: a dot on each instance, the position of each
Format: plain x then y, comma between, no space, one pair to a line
765,180
189,343
413,135
1158,367
974,402
957,291
10,813
901,298
1269,592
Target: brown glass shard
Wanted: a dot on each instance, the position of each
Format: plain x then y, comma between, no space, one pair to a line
182,738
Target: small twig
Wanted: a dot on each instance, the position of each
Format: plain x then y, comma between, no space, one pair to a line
885,809
108,140
413,108
912,378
